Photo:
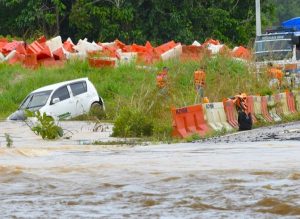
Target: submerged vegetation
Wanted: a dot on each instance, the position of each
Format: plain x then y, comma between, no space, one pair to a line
131,97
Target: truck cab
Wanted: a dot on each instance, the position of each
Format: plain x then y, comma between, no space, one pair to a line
280,46
281,43
276,46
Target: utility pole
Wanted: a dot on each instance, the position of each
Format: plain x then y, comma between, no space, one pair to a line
258,19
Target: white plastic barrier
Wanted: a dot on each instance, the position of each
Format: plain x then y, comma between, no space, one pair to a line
297,99
70,40
127,57
172,53
283,103
74,56
216,117
108,44
272,109
10,55
54,43
257,108
2,57
214,48
83,46
196,43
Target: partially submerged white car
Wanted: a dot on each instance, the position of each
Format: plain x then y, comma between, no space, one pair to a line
63,100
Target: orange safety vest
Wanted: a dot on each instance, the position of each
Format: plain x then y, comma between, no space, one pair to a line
276,73
241,104
199,78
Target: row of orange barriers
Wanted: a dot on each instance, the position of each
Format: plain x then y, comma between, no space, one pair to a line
50,52
201,119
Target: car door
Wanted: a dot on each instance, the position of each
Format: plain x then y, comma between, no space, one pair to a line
65,107
81,97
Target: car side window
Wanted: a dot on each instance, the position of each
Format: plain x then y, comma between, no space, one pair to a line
61,93
78,88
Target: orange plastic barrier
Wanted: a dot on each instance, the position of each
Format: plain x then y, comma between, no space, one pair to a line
194,52
290,67
211,41
250,103
59,54
68,46
41,40
231,113
241,52
291,102
3,40
164,47
42,51
10,47
17,58
138,48
120,44
30,61
189,120
51,62
264,109
100,63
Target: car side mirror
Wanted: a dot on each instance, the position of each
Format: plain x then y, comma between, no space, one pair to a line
55,100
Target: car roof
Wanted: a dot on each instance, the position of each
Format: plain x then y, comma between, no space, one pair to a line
57,85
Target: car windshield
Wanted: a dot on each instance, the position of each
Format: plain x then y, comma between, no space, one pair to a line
35,100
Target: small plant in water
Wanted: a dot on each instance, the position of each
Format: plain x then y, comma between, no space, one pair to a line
9,141
45,126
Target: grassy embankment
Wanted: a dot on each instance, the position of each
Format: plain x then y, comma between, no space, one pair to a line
130,94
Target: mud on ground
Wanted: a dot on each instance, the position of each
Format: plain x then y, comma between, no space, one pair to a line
280,132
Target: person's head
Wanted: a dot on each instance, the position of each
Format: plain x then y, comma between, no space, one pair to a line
243,96
165,69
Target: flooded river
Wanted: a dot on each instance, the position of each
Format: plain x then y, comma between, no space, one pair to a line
195,180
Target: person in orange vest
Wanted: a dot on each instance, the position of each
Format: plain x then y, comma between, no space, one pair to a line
161,79
244,117
199,81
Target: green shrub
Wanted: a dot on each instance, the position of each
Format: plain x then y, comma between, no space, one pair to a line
266,91
45,126
193,137
162,131
132,123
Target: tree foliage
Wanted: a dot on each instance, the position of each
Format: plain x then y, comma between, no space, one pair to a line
231,21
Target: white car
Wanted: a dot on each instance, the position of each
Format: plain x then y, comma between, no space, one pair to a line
63,100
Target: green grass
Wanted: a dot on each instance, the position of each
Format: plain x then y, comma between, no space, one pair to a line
129,87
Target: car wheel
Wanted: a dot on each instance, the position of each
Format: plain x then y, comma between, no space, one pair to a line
97,110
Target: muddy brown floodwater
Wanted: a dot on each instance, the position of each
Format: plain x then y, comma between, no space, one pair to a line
212,179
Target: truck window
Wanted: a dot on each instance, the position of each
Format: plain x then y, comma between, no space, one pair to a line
61,93
78,88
